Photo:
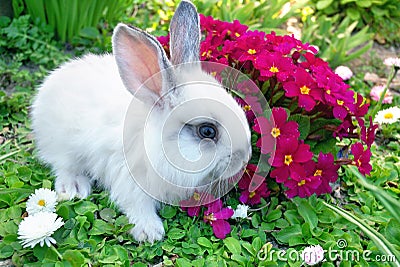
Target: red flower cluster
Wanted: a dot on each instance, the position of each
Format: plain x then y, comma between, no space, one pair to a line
294,81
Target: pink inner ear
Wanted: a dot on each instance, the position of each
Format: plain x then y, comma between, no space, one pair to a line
138,60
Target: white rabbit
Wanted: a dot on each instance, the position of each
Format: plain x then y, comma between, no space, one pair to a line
146,129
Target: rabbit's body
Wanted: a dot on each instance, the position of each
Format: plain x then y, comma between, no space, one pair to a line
144,129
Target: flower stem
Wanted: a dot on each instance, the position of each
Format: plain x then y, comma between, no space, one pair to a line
56,251
392,74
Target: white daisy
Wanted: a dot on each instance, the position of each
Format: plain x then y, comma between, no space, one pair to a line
42,200
392,61
344,72
240,211
388,116
38,228
312,255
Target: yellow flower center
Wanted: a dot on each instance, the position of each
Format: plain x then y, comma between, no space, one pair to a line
302,182
206,53
251,51
340,102
247,108
41,202
328,92
275,132
210,218
252,194
196,196
388,115
304,90
274,69
359,162
237,34
318,173
288,159
228,32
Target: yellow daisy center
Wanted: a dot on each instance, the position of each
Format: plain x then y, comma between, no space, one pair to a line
304,90
288,159
247,108
302,182
275,132
328,92
41,202
252,194
340,102
251,51
318,173
237,34
274,69
388,115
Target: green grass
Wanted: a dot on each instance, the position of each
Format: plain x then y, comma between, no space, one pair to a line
95,232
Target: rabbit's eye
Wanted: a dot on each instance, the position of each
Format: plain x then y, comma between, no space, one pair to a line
207,131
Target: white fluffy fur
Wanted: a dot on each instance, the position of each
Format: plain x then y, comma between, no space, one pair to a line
88,127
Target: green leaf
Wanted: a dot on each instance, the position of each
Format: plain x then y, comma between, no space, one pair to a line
89,32
304,124
322,4
168,212
100,227
289,234
273,215
306,211
392,231
202,241
257,244
74,257
108,214
233,245
6,251
181,262
84,207
175,233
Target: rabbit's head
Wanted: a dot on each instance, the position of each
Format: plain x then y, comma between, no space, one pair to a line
194,131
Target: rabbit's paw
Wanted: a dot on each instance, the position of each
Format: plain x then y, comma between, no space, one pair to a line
148,230
68,187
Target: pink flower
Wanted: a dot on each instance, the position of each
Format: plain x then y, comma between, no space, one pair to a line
344,72
253,186
302,186
392,61
304,88
326,169
289,156
193,204
367,134
377,91
274,64
274,128
251,106
361,158
216,216
249,46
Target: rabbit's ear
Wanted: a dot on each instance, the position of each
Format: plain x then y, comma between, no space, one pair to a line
141,61
185,34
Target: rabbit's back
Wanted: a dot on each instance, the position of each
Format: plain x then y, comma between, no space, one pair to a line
78,114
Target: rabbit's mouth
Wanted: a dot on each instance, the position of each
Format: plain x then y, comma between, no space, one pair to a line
231,166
